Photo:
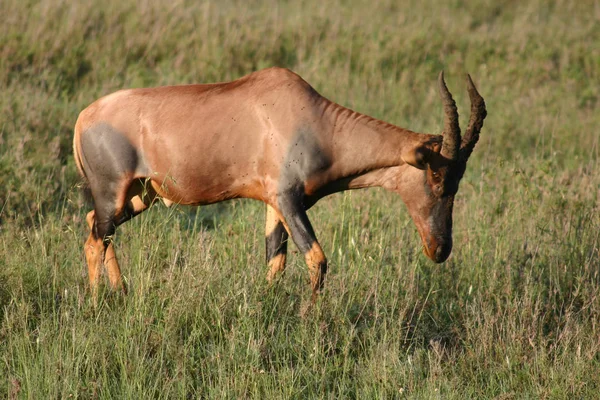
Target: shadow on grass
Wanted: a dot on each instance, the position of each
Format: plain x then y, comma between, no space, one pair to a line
207,217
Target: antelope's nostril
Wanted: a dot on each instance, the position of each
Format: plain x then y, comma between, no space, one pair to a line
442,252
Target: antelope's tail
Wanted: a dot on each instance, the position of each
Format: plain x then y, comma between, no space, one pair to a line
77,149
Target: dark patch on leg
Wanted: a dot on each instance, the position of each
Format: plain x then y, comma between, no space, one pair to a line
105,230
276,242
293,210
276,251
291,206
276,237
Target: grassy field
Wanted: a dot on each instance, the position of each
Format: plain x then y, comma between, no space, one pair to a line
514,312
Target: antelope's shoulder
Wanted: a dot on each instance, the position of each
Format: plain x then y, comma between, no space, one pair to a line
276,78
275,74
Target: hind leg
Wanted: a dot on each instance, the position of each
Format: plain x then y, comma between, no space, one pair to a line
113,270
138,199
94,253
99,248
96,246
110,261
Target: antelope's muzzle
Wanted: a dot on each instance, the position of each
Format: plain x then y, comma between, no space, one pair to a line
437,249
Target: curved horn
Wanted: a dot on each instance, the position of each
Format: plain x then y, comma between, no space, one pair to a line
451,143
478,114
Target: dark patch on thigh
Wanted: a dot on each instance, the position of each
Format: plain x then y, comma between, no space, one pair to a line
107,153
108,157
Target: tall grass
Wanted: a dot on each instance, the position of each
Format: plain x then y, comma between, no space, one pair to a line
514,312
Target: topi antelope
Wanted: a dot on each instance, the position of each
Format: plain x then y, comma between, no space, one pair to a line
267,136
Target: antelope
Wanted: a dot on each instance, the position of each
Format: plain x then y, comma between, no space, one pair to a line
267,136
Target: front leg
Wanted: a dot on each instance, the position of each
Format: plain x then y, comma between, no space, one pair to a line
294,213
276,237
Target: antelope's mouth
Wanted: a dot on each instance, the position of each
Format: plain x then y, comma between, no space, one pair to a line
437,249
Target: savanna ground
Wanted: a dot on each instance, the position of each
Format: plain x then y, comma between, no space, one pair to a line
514,312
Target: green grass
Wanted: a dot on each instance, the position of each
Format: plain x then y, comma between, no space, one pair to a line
514,313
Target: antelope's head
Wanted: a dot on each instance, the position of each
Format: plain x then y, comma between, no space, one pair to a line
439,163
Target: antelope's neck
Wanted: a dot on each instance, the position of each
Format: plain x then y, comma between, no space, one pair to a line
366,150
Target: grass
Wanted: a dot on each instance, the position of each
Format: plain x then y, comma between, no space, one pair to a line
514,312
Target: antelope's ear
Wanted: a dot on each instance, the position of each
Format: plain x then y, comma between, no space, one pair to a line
417,156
